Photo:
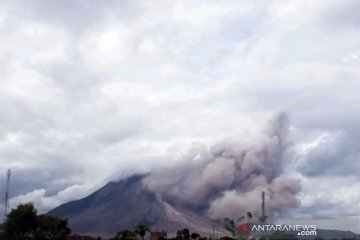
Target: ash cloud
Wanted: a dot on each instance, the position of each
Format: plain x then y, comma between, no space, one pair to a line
226,180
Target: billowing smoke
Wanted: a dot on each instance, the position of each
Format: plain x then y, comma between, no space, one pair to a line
227,179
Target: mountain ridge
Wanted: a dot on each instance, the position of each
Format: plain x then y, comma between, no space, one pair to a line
124,204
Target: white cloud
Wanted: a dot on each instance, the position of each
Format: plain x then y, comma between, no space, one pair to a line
93,89
43,201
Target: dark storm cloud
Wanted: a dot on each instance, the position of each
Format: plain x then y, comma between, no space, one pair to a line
334,155
327,210
24,180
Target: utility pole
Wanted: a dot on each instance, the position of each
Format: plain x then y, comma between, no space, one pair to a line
7,189
213,231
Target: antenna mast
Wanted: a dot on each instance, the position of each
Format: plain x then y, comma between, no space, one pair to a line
263,204
263,216
6,202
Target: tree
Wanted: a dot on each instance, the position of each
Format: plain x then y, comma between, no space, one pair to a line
141,230
2,232
24,223
21,222
186,233
125,235
195,236
183,234
51,228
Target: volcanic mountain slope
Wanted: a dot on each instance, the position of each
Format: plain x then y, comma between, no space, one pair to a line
123,205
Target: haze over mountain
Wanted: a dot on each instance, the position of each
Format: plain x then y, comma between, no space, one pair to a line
123,205
94,89
225,180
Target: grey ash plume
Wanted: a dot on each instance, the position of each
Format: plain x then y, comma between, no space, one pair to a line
227,179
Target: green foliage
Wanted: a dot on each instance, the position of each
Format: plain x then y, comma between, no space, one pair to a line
24,223
141,230
195,236
185,234
21,222
2,233
125,235
50,228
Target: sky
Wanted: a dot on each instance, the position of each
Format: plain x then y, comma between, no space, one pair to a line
91,91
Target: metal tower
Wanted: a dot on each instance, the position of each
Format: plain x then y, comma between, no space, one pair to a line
6,200
263,204
263,216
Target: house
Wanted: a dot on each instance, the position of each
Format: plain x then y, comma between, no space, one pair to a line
157,235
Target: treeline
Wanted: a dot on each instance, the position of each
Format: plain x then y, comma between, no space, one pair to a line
23,223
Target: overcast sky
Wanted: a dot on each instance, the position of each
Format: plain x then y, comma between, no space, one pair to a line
92,90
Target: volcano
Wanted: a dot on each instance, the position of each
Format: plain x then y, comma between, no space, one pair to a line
125,204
